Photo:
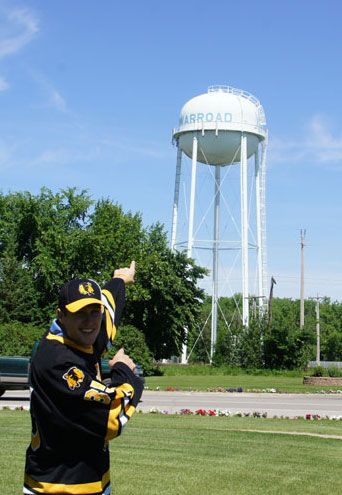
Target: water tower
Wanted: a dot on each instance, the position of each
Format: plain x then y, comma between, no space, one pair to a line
225,127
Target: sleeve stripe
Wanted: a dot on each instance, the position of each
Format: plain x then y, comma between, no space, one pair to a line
120,411
109,303
123,420
98,385
130,411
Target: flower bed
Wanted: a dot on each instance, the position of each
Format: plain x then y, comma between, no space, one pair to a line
226,413
322,380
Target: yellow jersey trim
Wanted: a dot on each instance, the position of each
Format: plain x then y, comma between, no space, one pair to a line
70,343
118,408
57,488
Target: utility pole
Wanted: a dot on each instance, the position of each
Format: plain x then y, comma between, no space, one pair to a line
270,302
318,333
302,244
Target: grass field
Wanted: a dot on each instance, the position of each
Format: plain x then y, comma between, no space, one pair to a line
190,455
282,383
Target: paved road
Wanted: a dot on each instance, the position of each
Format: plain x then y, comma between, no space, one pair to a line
274,404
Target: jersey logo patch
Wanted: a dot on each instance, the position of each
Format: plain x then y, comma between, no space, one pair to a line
86,289
74,377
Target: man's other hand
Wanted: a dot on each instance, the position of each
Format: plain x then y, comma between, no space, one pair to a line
121,357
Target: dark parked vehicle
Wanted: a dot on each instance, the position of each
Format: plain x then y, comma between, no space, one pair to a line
14,372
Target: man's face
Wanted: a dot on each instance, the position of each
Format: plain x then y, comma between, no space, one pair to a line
83,326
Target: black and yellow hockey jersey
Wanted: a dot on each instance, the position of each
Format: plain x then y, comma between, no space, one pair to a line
74,415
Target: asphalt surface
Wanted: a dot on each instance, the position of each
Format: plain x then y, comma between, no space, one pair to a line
273,404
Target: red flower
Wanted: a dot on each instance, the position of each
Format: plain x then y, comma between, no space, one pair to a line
201,412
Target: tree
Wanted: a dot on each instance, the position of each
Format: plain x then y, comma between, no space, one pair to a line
133,341
169,300
50,238
17,292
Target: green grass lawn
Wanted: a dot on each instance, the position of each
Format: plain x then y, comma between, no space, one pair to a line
194,455
288,384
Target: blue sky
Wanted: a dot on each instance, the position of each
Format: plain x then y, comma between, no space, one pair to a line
90,92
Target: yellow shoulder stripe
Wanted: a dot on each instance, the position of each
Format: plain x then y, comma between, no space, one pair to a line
70,343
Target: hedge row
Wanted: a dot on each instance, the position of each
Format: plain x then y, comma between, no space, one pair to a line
17,339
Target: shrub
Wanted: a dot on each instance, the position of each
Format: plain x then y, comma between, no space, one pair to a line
334,371
318,371
17,339
287,347
133,341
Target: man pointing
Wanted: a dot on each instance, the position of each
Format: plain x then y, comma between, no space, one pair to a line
74,415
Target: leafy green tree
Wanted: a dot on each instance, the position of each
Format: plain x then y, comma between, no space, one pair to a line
17,292
287,346
279,345
330,328
133,341
199,338
17,339
169,300
44,234
332,349
50,238
251,349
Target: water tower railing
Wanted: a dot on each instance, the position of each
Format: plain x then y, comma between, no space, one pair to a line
244,94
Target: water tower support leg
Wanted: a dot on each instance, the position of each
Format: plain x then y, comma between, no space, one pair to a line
263,219
176,199
258,227
192,197
244,231
215,260
184,358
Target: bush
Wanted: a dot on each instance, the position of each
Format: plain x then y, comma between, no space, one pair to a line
318,371
334,371
207,369
17,339
133,341
332,346
287,347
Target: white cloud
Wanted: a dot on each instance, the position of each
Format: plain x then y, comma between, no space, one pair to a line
319,145
7,151
53,97
64,156
149,149
20,28
57,100
53,156
3,84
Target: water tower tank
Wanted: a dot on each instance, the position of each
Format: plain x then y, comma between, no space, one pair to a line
217,119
